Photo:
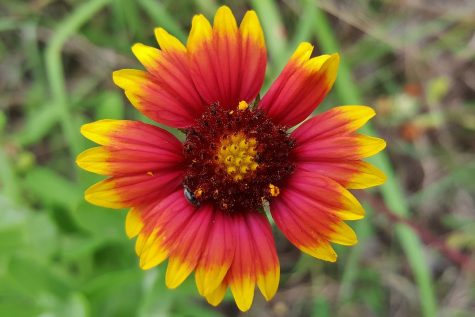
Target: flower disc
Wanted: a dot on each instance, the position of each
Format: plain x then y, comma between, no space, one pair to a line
236,159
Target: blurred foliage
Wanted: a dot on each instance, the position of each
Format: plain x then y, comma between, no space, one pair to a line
413,61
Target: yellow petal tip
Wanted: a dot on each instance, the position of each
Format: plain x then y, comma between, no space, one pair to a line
250,28
343,234
103,194
302,53
168,42
200,33
133,223
177,272
130,79
224,21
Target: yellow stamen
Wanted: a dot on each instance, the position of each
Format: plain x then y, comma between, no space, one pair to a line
274,190
236,154
198,192
243,105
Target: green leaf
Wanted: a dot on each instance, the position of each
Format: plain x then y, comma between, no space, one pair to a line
38,278
110,106
99,220
44,242
52,188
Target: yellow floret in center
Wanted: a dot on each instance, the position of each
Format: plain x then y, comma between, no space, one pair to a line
237,154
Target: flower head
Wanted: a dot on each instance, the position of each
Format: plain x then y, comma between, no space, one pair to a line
200,204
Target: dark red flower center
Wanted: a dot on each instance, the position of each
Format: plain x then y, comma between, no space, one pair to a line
236,160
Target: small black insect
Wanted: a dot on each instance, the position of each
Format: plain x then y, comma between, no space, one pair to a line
190,197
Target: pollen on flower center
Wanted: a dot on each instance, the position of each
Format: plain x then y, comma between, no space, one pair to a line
237,154
236,159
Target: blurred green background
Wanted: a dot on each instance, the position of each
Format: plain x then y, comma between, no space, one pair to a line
412,60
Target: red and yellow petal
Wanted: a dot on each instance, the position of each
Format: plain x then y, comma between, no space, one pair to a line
300,87
172,228
201,33
216,297
145,163
161,222
133,190
133,223
224,250
187,246
129,147
255,260
217,256
165,92
350,174
253,58
328,145
170,44
342,120
227,63
339,148
242,273
151,250
191,238
158,225
113,161
310,211
170,69
266,260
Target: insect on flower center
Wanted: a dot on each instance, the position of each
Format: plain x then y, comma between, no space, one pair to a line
236,154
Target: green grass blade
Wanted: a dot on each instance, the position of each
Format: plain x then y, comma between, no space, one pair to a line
271,21
305,24
8,178
162,18
207,7
55,72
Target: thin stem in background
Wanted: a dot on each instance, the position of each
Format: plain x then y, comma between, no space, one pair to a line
55,71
